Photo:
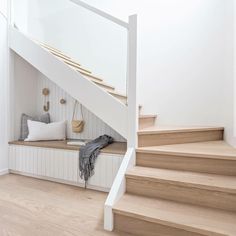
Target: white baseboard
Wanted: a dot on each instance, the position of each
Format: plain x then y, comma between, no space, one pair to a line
4,172
101,189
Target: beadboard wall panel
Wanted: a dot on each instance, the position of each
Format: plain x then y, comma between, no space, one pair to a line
94,127
62,165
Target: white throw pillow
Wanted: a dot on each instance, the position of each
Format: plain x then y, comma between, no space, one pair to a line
39,131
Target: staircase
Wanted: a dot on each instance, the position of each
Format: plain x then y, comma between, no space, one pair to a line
184,183
72,63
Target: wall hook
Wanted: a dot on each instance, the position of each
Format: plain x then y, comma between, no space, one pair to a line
46,108
62,101
45,92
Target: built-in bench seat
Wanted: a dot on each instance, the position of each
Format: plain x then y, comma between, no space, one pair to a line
57,161
114,148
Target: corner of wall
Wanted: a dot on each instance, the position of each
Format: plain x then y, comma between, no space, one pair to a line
4,172
230,137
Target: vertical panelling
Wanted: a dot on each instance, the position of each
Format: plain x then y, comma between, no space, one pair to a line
104,171
94,127
76,170
11,158
62,165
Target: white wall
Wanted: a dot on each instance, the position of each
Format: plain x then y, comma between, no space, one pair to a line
185,59
25,92
181,56
232,86
3,87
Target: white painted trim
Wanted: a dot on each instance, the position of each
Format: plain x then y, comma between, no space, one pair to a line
109,109
101,13
5,17
118,188
62,166
234,72
10,81
89,186
4,172
132,82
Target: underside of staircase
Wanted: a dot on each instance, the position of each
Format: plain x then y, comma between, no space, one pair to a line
184,183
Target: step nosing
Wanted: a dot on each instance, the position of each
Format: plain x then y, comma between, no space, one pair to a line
165,222
171,131
188,154
147,116
181,183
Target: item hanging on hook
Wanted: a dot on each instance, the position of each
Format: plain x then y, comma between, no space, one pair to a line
46,106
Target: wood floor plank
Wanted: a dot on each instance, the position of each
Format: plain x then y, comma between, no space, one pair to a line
31,207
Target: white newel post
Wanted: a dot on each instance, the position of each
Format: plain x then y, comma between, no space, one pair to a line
132,82
119,185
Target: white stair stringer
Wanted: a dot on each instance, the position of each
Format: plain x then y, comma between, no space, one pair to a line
109,109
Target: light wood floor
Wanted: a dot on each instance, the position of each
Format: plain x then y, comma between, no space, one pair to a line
31,207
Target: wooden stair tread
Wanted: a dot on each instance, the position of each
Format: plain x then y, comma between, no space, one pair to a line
72,63
147,116
188,217
68,59
185,178
76,67
212,149
55,52
98,81
50,47
169,130
90,75
101,83
58,54
117,94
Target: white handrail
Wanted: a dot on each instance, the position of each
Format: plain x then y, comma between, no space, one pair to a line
101,13
132,82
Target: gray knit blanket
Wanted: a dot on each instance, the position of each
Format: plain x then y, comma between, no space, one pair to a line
88,155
